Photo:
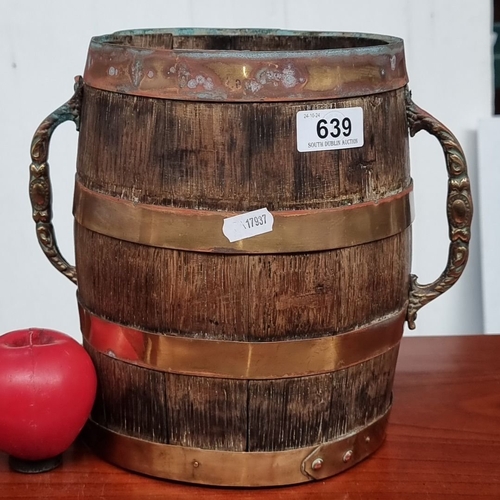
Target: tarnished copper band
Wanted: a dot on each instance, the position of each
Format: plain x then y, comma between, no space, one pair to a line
201,230
164,64
241,360
230,468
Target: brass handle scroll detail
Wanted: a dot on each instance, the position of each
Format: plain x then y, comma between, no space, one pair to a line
459,209
40,189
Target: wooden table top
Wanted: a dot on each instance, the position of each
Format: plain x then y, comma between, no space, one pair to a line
443,442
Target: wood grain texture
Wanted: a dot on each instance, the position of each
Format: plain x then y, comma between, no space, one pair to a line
130,399
240,297
326,293
242,156
293,413
240,415
207,413
241,42
162,290
227,156
443,442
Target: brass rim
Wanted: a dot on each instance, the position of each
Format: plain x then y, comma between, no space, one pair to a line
201,230
241,360
163,64
229,468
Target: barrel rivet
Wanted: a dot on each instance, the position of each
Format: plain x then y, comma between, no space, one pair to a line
367,439
347,456
196,464
317,464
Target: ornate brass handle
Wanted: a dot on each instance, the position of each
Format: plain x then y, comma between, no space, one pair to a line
458,210
40,189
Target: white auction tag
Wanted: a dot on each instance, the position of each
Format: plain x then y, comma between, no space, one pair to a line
324,129
248,224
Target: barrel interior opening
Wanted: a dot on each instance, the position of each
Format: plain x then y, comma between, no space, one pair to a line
252,42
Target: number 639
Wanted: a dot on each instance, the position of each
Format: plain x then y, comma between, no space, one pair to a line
335,128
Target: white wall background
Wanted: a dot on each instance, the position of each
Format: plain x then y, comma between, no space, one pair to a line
43,46
489,206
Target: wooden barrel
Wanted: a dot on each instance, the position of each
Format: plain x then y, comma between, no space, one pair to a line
242,232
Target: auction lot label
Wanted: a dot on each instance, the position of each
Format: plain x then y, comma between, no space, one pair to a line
325,129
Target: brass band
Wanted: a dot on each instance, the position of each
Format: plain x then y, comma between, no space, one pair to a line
229,468
201,230
241,360
178,65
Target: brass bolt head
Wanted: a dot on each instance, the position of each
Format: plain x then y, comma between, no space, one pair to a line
317,464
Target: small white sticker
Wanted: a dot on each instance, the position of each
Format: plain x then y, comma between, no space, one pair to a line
248,224
325,129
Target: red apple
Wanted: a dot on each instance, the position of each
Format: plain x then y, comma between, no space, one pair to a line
47,389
